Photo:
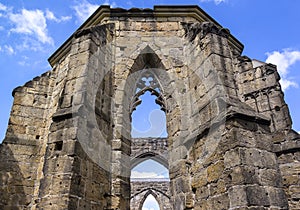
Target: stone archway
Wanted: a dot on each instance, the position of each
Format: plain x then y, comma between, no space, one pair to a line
142,150
151,202
230,140
154,148
143,190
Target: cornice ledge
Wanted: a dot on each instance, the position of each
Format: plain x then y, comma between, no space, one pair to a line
102,12
232,113
105,11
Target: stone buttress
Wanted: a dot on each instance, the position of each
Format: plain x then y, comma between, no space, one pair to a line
230,141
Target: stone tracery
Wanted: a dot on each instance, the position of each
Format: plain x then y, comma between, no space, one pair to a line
147,82
44,165
148,148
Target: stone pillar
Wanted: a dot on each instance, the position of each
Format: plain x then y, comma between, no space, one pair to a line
22,150
251,168
77,162
142,188
260,88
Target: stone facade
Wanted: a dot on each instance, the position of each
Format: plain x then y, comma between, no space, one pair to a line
230,144
157,150
159,188
145,148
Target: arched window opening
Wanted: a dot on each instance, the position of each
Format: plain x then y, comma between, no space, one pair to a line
150,203
148,120
149,169
147,109
148,92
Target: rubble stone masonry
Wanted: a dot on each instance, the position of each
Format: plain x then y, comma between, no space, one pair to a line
230,141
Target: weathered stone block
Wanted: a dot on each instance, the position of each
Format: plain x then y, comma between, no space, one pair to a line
229,145
215,171
257,196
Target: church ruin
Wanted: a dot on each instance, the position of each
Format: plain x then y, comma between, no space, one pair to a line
230,141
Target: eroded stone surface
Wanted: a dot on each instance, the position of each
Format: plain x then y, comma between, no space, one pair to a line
230,143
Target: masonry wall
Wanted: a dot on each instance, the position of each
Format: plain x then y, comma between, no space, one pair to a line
71,170
145,148
259,87
22,151
230,143
142,188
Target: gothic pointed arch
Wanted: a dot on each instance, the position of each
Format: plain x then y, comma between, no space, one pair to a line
147,57
150,192
136,160
148,81
146,62
148,65
148,75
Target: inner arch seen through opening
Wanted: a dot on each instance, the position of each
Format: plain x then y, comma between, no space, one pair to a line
149,169
150,203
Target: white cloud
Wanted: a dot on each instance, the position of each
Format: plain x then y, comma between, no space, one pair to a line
113,4
31,26
31,22
215,1
157,121
9,50
29,43
65,18
285,84
152,175
284,60
24,61
3,7
84,9
50,16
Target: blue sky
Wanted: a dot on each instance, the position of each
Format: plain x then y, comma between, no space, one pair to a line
148,120
150,169
150,203
31,30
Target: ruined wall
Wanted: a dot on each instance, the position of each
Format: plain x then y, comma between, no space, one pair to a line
145,148
259,87
230,143
287,152
47,165
22,151
246,176
141,188
73,177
